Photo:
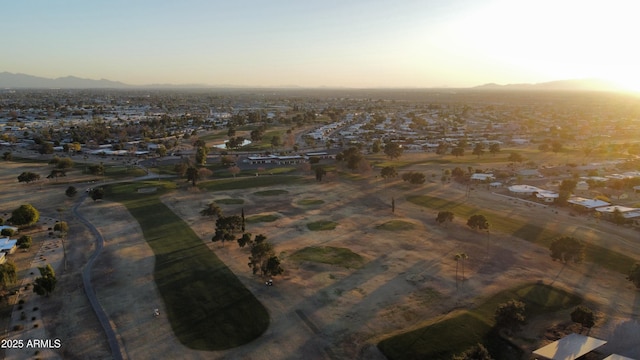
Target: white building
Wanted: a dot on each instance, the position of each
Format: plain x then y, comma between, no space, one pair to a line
2,227
276,159
547,196
8,246
524,190
482,177
587,203
627,212
495,185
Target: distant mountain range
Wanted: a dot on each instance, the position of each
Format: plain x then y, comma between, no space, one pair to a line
565,85
23,81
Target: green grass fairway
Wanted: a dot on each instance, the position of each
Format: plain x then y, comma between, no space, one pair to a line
208,307
310,202
222,172
396,225
214,137
265,143
270,192
322,225
121,172
250,182
443,339
262,218
329,255
602,256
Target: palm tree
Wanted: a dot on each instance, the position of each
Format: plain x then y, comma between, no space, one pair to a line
463,257
457,258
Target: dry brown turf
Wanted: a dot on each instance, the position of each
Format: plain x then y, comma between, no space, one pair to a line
317,311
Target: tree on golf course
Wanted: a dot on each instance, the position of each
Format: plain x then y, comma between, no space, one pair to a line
566,249
24,242
61,226
71,191
212,209
583,316
263,258
8,274
478,222
193,175
28,177
226,228
476,352
46,283
444,217
24,215
510,315
393,150
457,151
97,194
460,257
388,172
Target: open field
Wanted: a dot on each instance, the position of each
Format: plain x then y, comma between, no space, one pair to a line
465,328
405,277
206,305
409,276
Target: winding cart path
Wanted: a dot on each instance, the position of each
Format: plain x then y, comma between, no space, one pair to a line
110,332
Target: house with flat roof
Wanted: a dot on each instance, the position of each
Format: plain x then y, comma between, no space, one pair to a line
524,190
547,196
626,212
2,227
482,177
569,347
320,154
495,185
8,246
617,357
276,159
587,204
260,159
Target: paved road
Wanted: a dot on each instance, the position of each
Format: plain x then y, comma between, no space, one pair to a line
114,345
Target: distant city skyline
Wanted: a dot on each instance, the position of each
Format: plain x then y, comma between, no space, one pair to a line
366,44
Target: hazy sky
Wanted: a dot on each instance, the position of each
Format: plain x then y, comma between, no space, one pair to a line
353,43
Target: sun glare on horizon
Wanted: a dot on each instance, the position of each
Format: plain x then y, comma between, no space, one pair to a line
550,40
630,84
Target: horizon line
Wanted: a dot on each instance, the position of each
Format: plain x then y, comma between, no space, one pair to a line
607,85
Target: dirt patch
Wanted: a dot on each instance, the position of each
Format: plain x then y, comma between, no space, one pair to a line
409,277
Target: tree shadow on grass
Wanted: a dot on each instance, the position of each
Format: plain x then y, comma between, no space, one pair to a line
564,265
529,232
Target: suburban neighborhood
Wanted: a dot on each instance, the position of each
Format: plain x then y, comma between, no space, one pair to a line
374,217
